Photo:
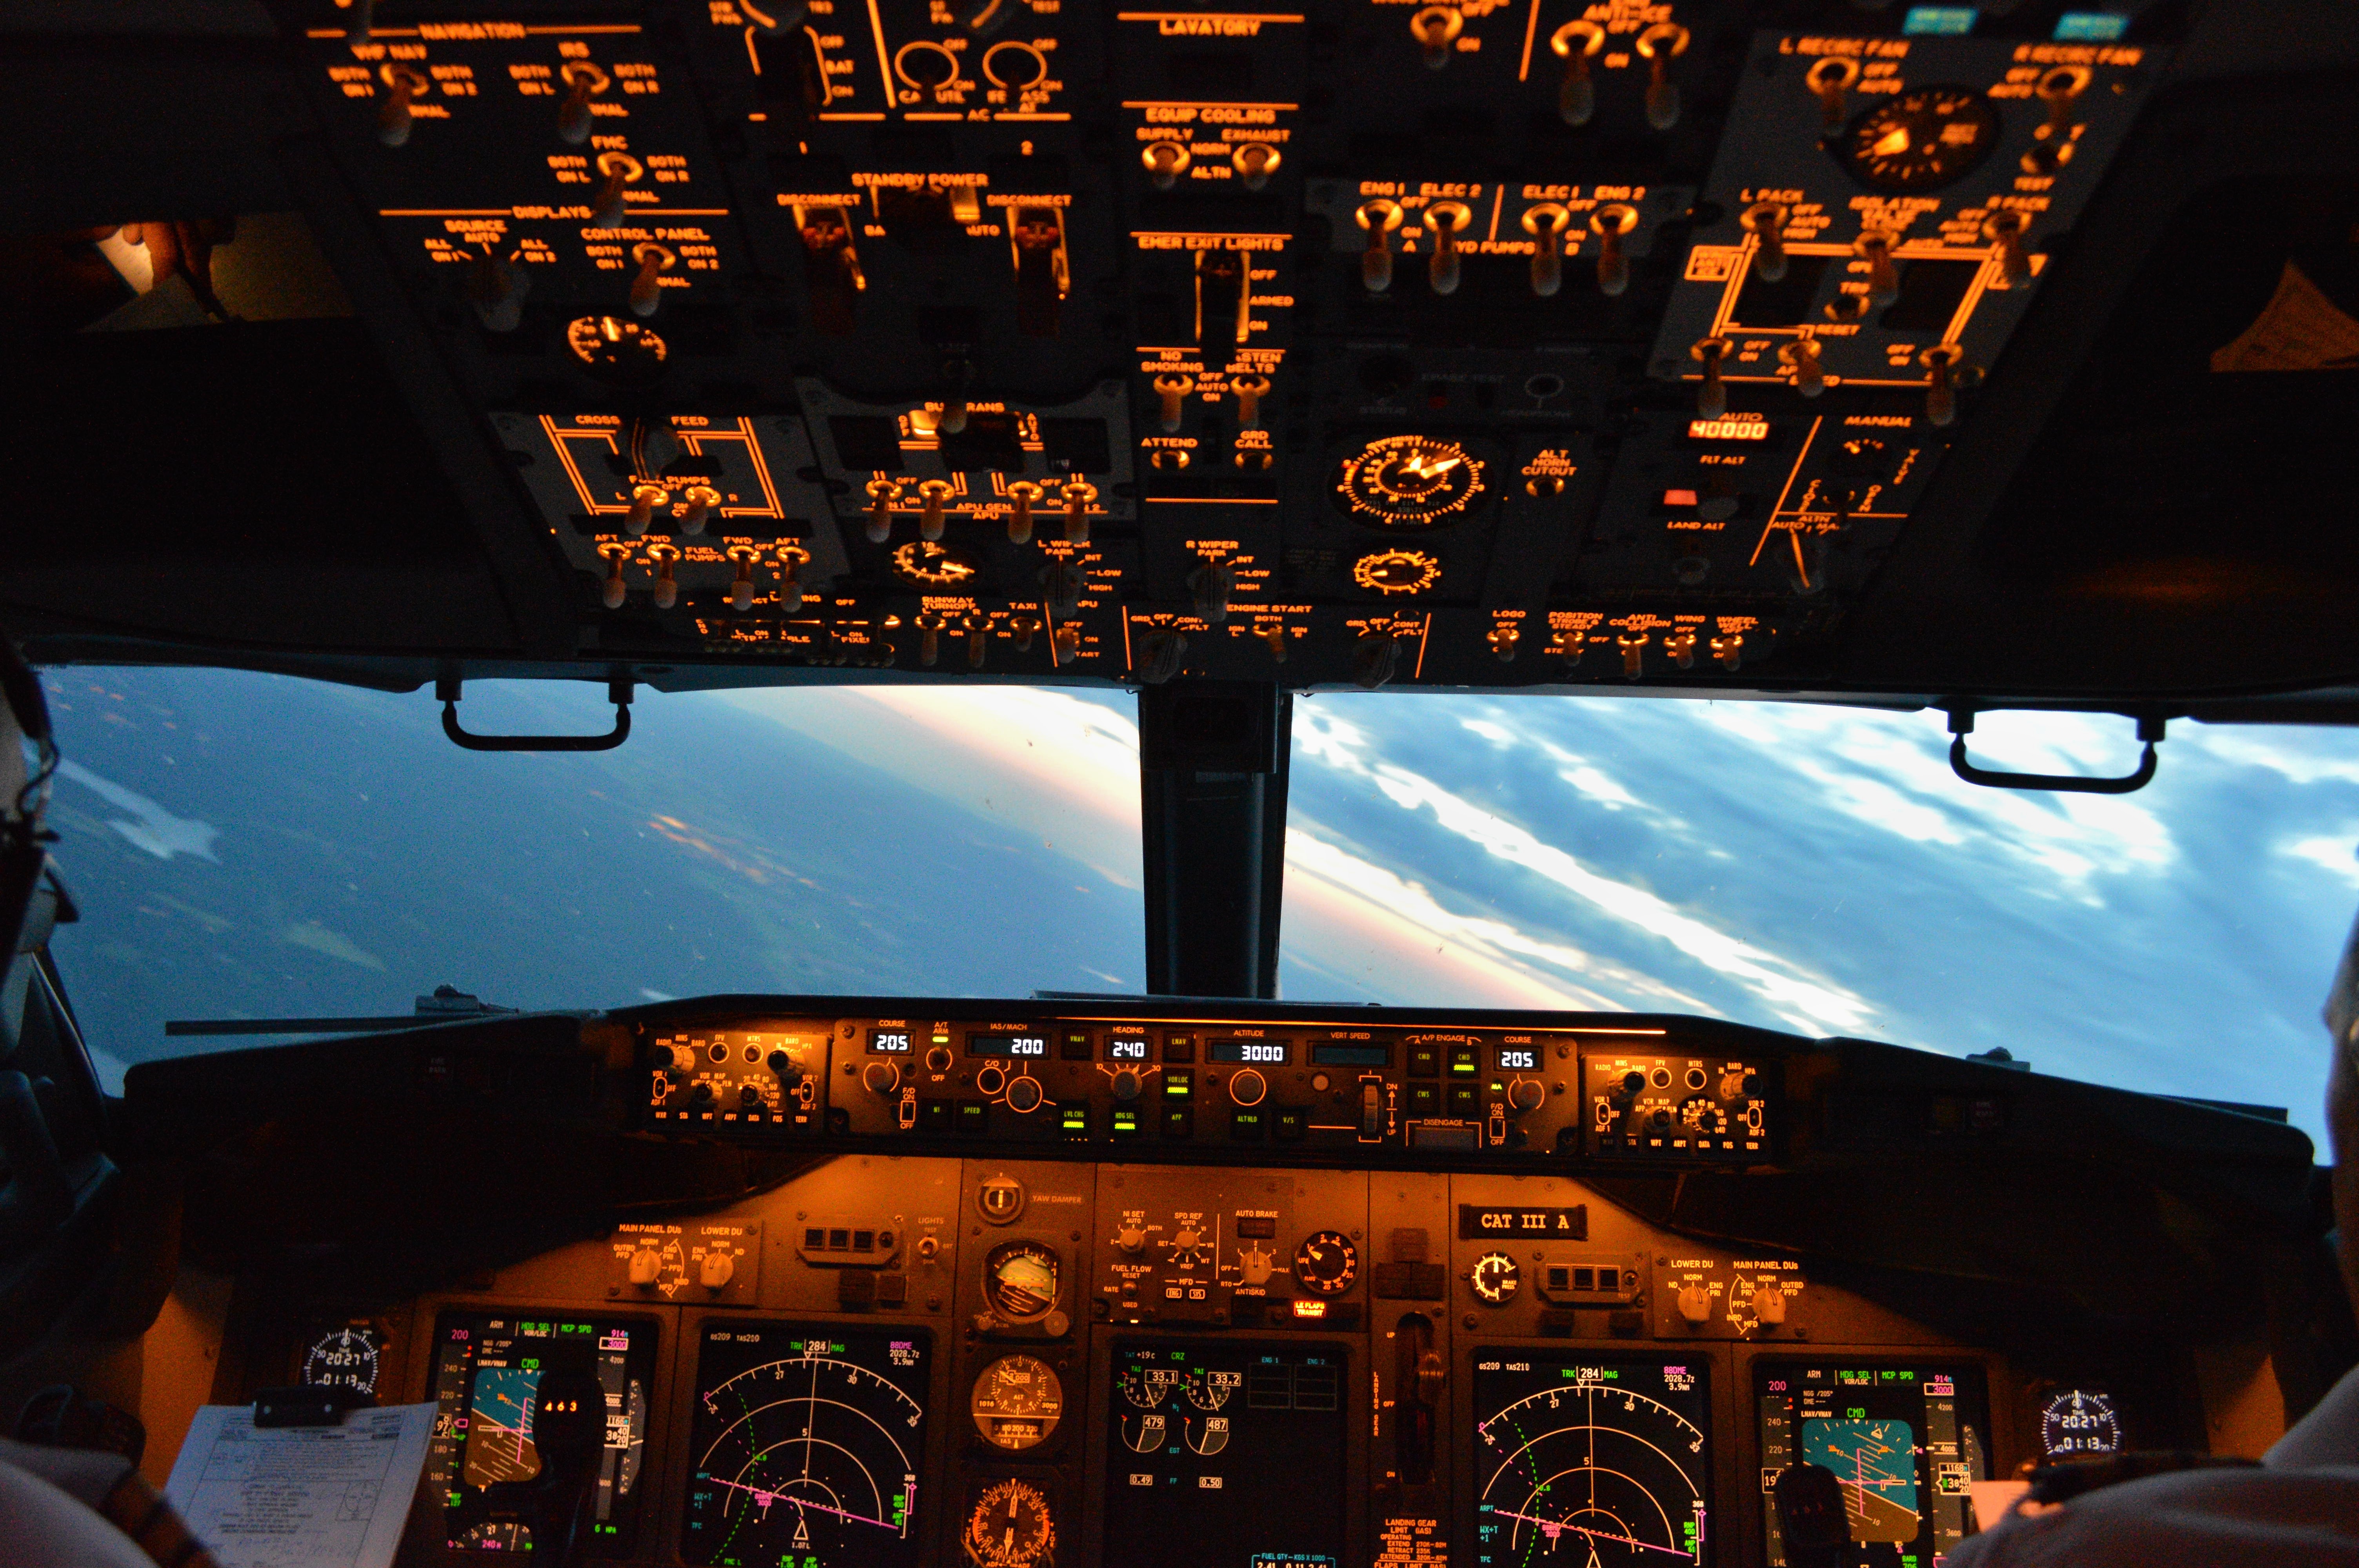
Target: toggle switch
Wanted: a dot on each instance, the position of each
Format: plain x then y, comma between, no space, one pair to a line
1170,391
1634,652
1612,222
1222,300
1254,163
1021,494
2004,228
1163,652
1546,221
644,499
929,640
1079,493
2061,90
1942,363
404,85
1024,628
646,292
1436,28
363,21
1065,643
699,500
1041,270
1250,391
1690,569
613,591
792,559
932,494
1569,646
1503,640
665,555
832,273
1729,650
1165,162
1830,81
952,420
1060,586
1766,221
1716,498
1681,646
496,289
882,493
741,585
1658,45
1576,44
1446,220
583,81
606,204
1874,247
1378,219
1373,658
978,640
1808,362
1711,392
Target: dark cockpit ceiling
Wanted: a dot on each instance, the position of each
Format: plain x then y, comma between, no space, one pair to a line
1911,356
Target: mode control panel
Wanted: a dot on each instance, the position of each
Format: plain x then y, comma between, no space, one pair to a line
1226,1086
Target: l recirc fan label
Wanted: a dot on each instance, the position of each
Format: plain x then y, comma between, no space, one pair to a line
1590,1462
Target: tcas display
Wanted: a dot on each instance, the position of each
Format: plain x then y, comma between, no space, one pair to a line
1587,1461
1903,1442
487,1372
805,1446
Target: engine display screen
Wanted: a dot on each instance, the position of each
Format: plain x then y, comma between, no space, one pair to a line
1227,1454
1028,1045
1254,1053
1587,1461
805,1446
487,1372
1903,1442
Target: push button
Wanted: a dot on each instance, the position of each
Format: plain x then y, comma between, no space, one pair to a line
1292,1124
1424,1100
1424,1061
1466,1100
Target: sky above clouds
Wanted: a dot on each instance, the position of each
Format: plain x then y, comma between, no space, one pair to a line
251,845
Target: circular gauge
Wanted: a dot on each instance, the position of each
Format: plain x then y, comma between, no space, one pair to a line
1397,572
1019,1281
1326,1263
1495,1278
1017,1403
495,1535
1208,1390
1704,1116
343,1358
1410,481
614,348
1009,1527
1922,140
930,565
2077,1423
1147,1387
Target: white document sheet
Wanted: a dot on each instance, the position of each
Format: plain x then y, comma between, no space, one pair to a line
300,1497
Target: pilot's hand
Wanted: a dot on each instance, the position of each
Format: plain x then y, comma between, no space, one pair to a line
2231,1519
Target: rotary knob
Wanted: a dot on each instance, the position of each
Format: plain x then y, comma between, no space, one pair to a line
1256,1266
1247,1086
715,1270
1024,1095
1695,1302
1126,1084
645,1265
1131,1239
1495,1279
881,1077
1526,1094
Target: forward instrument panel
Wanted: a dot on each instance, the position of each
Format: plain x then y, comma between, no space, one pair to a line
1263,1286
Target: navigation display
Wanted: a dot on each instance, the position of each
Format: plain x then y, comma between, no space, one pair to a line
805,1446
1903,1442
1585,1461
1227,1454
487,1372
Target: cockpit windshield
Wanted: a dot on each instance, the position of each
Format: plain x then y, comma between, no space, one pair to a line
259,847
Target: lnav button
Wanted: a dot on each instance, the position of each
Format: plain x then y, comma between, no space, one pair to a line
1000,1199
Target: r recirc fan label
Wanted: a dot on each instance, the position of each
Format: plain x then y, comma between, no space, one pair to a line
1584,1461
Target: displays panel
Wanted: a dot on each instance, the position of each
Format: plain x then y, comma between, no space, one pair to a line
1591,1461
487,1372
1903,1439
804,1447
1222,1454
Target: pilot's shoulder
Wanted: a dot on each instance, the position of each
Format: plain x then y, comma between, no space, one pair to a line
2249,1518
